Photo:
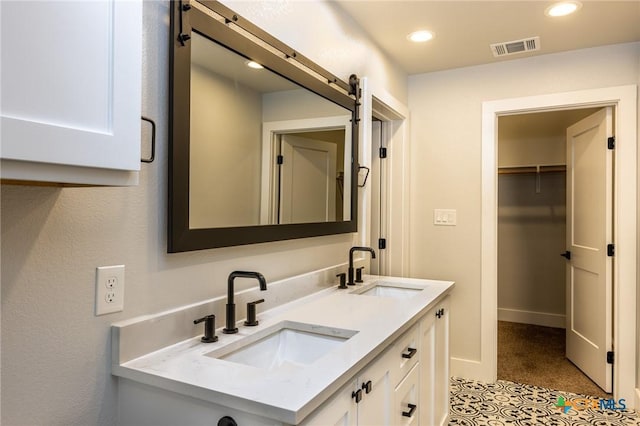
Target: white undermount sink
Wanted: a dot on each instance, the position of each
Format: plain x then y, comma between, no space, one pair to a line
389,289
285,343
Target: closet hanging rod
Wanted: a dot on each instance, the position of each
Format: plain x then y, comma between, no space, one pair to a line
550,168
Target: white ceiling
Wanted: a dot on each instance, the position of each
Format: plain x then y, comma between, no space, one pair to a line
465,29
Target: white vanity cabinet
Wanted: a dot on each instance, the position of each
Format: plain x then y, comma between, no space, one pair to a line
434,362
71,91
365,400
409,381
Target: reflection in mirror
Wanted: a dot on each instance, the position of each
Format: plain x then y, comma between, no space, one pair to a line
256,154
264,150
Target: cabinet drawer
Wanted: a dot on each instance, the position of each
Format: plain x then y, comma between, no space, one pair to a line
406,355
405,409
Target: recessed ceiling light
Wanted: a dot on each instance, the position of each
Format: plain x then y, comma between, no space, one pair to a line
254,65
563,9
420,36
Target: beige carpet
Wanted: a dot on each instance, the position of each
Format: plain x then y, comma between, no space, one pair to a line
535,355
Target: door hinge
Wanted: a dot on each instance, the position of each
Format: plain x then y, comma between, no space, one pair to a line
382,243
611,142
383,152
611,250
280,159
610,357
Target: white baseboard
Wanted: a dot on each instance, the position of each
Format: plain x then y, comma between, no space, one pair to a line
528,317
469,369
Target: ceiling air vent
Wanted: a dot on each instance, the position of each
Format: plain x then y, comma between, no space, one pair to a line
516,46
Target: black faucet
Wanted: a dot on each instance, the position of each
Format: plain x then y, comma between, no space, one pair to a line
231,307
350,270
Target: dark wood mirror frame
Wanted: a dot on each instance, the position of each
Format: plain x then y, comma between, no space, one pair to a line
184,19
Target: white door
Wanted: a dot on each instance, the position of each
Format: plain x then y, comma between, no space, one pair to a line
589,231
308,180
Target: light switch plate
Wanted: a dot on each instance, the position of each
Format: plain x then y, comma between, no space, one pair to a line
109,289
445,217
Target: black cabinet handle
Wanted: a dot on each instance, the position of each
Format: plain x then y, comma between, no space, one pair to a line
412,352
566,254
153,141
357,395
412,409
367,386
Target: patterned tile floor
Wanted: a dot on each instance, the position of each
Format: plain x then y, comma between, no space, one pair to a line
507,403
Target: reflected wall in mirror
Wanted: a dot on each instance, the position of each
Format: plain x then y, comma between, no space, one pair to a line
258,152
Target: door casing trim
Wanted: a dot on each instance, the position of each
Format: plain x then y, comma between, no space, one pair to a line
624,100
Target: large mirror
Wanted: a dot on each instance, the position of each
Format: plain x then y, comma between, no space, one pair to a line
262,147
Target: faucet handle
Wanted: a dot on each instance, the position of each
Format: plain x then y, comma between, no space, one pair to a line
343,280
359,274
251,313
209,328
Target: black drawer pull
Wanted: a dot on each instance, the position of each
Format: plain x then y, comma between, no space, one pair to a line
411,353
367,387
412,409
357,395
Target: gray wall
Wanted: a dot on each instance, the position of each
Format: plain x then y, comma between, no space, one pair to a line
446,121
55,352
531,236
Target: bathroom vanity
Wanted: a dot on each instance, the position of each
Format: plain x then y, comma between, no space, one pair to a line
375,353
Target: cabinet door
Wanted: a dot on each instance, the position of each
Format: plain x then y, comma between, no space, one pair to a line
434,366
339,410
377,389
442,379
427,368
406,405
71,91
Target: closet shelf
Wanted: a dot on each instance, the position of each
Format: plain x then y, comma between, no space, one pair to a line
538,168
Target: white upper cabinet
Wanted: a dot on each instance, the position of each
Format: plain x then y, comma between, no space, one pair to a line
71,91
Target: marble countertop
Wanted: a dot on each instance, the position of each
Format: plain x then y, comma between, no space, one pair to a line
290,392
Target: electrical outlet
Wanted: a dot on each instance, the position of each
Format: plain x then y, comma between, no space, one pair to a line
109,289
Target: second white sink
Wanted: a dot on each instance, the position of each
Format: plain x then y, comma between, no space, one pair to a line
389,289
285,343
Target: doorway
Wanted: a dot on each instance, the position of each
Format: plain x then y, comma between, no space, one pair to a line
385,196
532,224
624,101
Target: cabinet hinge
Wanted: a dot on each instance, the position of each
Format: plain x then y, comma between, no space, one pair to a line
280,159
610,357
611,142
383,152
382,243
611,250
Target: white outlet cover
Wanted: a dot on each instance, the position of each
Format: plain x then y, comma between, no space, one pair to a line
109,289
